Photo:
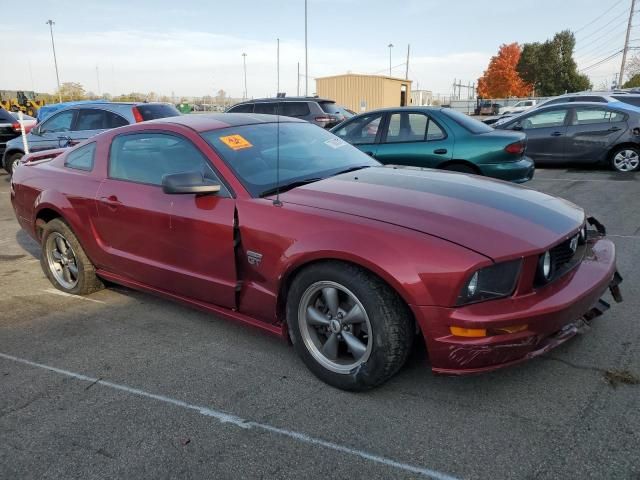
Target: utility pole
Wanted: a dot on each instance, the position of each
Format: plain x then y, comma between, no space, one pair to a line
626,44
306,54
390,47
298,88
406,72
278,67
244,63
55,60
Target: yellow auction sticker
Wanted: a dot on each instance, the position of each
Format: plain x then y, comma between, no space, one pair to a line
236,142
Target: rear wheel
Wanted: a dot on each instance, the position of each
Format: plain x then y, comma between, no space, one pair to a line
12,161
350,329
64,262
626,159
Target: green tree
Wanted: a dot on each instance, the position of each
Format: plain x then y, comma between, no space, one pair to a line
633,82
71,91
550,66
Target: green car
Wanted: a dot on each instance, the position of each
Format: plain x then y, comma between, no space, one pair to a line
435,137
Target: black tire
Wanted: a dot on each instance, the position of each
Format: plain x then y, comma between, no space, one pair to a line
460,168
87,280
391,323
9,161
623,164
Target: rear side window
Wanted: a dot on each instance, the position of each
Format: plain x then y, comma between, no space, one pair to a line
466,122
294,109
266,108
587,116
243,108
147,157
629,99
96,119
151,111
82,158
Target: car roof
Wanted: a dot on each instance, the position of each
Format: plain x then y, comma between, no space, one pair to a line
426,108
287,99
216,121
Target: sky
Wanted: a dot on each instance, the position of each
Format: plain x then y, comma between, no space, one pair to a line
194,47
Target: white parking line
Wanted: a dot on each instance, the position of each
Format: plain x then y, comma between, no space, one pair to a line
223,417
53,291
581,180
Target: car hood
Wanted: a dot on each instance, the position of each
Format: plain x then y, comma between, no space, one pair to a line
497,219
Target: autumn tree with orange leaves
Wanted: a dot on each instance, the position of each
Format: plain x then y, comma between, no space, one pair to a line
501,79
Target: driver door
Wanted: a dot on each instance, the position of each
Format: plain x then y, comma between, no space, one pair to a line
363,132
53,131
181,243
546,134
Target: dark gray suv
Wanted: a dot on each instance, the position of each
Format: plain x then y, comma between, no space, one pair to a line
324,113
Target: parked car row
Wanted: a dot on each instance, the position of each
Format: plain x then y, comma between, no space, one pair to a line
281,225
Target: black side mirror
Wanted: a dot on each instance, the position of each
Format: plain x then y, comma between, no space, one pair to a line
188,182
516,126
36,130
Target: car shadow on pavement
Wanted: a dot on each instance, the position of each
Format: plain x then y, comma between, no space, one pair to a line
28,244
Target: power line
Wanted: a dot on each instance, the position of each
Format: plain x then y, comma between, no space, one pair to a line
598,17
622,14
608,33
600,62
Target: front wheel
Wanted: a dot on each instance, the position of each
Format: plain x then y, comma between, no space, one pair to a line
350,329
626,159
12,161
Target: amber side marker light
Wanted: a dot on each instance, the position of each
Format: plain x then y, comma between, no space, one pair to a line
468,332
482,332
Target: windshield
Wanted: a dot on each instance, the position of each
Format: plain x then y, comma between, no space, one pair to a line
466,122
306,152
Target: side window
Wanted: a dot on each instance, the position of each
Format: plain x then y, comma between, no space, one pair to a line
147,157
90,119
82,158
586,116
548,119
268,108
434,132
407,127
58,123
294,109
113,120
243,108
362,130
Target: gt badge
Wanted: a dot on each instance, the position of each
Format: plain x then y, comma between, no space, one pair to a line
254,258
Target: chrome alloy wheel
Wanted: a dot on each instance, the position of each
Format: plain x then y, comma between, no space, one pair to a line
335,327
626,160
62,261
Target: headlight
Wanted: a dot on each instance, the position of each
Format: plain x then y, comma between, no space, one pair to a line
544,272
582,236
490,282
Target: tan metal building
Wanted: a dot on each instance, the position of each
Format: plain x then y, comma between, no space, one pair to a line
361,93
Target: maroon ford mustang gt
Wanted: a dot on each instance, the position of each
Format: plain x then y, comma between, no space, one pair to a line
283,226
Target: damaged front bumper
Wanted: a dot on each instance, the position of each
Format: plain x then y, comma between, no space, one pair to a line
552,315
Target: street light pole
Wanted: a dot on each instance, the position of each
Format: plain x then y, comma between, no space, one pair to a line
55,60
244,62
278,68
390,47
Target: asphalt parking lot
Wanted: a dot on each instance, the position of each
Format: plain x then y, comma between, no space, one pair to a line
123,384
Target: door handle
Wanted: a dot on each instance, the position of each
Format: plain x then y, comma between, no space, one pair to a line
556,134
614,129
440,151
111,201
370,154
